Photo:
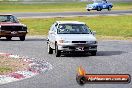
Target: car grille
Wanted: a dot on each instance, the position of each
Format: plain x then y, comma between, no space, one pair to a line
78,41
11,28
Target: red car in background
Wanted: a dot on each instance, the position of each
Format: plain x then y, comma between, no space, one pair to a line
11,27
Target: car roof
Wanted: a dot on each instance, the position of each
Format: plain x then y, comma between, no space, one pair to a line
69,22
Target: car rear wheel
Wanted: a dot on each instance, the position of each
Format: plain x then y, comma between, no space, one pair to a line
57,52
109,8
8,38
22,38
99,8
50,50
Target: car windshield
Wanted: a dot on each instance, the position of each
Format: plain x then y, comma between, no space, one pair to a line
8,18
99,1
73,29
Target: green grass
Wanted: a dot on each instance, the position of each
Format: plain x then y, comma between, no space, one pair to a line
55,7
50,7
5,70
103,25
123,6
9,65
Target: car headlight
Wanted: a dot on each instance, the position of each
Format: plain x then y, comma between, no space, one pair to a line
91,42
60,41
63,41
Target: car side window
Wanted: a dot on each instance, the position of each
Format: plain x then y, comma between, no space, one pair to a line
104,1
55,27
15,19
51,28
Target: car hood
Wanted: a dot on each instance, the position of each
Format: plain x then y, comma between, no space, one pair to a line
10,24
76,37
94,4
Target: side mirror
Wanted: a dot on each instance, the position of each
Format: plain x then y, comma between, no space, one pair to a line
94,32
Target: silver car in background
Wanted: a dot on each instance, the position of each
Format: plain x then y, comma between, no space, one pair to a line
71,36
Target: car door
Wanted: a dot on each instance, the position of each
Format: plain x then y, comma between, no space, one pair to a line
52,35
104,4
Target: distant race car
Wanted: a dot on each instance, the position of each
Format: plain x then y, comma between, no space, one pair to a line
71,36
99,5
11,27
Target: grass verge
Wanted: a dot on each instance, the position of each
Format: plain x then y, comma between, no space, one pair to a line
56,7
5,70
103,25
8,65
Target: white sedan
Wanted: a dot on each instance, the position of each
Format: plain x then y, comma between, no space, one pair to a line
71,36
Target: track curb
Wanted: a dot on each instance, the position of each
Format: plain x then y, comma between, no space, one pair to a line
34,68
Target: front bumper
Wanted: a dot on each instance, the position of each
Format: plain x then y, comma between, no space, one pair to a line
78,47
12,33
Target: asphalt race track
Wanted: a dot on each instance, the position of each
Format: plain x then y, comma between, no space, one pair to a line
114,56
67,14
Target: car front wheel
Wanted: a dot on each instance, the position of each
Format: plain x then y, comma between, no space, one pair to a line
50,50
99,8
8,38
57,52
22,38
88,9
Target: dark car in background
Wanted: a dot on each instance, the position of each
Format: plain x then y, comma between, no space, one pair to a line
11,27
